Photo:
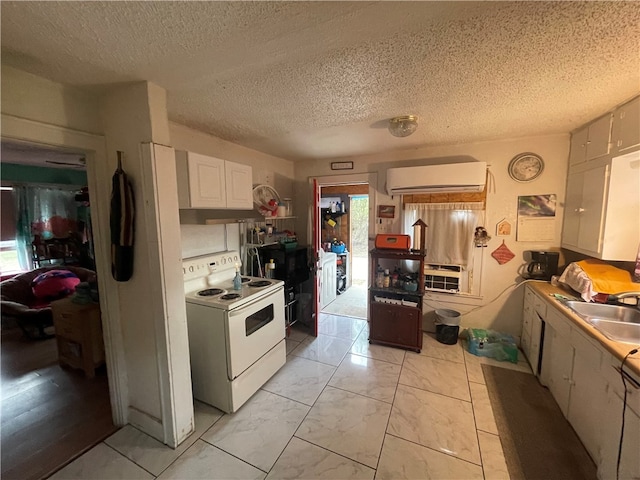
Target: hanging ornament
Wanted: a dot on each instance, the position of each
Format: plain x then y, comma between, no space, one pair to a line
481,237
502,254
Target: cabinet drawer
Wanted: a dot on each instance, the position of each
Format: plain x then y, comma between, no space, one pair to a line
67,325
528,295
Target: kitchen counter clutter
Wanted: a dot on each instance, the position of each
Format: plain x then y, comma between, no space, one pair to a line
581,368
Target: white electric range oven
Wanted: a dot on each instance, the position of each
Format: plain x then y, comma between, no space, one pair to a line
236,337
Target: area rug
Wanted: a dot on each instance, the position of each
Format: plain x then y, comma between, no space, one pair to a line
537,440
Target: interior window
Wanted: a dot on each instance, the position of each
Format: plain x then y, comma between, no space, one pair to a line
451,258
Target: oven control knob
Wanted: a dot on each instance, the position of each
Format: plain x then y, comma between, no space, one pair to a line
191,268
230,260
223,260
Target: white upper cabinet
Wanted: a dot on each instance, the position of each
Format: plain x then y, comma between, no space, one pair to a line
602,210
626,127
591,142
208,182
239,186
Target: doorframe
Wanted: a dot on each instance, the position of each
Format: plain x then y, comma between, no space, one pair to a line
94,147
370,178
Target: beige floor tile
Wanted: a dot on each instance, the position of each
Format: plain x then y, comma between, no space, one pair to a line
323,349
206,462
435,375
291,345
152,455
260,430
347,424
442,423
432,348
300,379
493,462
407,460
368,377
388,354
482,410
347,328
102,462
302,459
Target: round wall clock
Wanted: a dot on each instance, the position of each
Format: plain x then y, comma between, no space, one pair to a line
526,167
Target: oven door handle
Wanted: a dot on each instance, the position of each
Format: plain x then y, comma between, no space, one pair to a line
238,311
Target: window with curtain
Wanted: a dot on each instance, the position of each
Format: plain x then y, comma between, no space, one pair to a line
42,213
449,236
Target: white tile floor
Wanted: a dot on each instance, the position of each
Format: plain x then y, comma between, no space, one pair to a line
340,408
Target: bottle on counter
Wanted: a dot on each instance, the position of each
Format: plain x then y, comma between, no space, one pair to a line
386,279
379,277
342,208
237,280
333,207
394,278
270,269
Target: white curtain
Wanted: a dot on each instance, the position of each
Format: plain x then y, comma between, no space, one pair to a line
450,229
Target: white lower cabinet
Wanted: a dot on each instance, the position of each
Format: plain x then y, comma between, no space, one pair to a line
557,366
582,377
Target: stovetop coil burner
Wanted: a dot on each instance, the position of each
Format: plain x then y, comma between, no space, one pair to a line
245,279
210,292
260,283
230,296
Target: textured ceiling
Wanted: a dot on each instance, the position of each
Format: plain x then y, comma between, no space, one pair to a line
303,80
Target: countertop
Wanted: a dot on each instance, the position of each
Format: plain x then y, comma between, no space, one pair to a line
617,349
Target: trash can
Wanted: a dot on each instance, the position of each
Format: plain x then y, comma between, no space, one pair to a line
447,326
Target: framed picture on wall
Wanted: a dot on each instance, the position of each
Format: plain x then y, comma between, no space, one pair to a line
386,211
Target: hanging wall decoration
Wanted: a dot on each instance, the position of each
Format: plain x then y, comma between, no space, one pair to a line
481,237
122,223
503,228
502,254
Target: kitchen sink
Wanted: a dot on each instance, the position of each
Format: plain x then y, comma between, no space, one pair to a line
615,322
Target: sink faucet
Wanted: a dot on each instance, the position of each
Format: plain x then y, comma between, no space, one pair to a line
622,295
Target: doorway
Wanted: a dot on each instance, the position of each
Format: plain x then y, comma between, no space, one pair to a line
38,394
344,239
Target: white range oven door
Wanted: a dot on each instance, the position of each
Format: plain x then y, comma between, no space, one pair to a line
253,329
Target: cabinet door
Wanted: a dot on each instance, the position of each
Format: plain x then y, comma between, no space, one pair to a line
599,138
206,182
558,363
239,186
593,205
611,422
572,211
578,147
394,324
588,397
626,126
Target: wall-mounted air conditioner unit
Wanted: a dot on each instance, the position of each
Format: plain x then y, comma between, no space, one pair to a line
442,278
448,178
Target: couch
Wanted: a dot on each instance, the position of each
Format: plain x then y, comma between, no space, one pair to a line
30,313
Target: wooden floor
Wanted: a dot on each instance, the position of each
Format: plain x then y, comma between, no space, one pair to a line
50,414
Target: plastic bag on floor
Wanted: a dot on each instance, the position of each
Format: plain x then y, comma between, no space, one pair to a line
492,344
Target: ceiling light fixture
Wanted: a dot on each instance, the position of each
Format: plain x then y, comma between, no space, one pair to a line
403,126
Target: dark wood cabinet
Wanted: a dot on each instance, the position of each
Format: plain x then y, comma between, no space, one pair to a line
395,315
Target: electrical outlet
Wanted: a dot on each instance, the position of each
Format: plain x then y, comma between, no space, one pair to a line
268,178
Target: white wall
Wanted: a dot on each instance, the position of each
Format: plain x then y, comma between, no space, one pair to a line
28,96
504,314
